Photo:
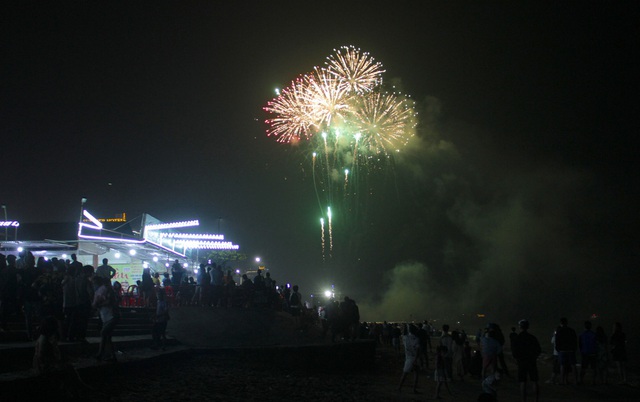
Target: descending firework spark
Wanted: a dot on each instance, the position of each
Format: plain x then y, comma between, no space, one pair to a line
346,180
355,70
322,236
385,121
330,232
293,113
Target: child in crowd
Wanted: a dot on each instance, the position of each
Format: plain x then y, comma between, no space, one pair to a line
47,356
159,331
490,384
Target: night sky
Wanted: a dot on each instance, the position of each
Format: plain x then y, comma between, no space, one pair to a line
517,197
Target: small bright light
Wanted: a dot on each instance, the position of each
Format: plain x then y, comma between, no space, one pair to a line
238,271
46,258
357,136
64,256
185,265
132,252
315,154
257,259
346,172
117,255
20,249
155,259
327,293
324,135
195,271
166,265
145,265
277,91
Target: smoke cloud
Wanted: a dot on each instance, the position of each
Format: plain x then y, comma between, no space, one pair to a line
476,227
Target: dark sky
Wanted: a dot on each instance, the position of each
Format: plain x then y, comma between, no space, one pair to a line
522,177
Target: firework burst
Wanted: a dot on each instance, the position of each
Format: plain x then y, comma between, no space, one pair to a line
354,70
326,97
293,114
386,122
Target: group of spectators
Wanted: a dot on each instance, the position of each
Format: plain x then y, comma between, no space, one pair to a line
597,352
455,357
57,294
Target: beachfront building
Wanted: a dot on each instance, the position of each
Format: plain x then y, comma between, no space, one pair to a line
130,246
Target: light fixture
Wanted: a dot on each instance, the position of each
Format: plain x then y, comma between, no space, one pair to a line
132,252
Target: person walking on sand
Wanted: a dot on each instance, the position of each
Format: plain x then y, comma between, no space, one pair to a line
411,353
526,350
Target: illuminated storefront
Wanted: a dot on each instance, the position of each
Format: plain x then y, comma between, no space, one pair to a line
156,245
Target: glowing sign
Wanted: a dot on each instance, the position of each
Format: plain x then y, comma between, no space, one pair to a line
119,218
13,224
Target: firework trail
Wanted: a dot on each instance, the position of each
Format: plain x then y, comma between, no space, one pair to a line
322,237
330,232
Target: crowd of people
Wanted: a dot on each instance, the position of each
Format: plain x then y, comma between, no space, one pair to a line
58,297
71,293
456,358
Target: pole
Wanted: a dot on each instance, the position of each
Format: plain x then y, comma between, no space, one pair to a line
82,202
4,207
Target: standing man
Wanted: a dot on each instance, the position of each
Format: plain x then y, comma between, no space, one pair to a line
566,345
526,350
75,263
588,351
176,272
105,270
447,341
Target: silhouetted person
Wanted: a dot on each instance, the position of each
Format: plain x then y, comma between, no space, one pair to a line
566,344
619,351
105,270
526,350
176,275
588,351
